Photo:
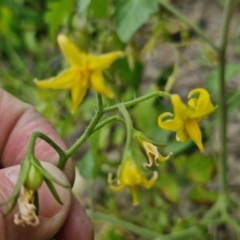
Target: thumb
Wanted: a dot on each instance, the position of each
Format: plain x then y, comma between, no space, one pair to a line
51,214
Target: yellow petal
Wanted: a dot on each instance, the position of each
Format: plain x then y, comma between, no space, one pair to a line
180,109
162,158
103,61
98,85
192,104
65,80
182,135
194,133
78,92
149,183
170,124
203,105
115,188
72,53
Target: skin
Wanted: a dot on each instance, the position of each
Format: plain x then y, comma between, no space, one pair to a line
68,221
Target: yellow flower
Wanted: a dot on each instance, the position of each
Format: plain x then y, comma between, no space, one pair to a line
85,70
130,176
148,147
153,154
186,118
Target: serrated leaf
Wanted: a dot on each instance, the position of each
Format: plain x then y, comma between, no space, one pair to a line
131,14
57,13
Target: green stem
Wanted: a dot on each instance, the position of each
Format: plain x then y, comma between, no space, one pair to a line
36,135
87,132
128,120
107,121
223,111
145,233
184,19
138,100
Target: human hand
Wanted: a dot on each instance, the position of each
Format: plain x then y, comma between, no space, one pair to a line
68,221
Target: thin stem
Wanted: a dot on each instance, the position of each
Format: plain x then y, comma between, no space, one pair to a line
128,120
138,100
184,19
109,120
146,233
223,111
88,131
36,135
99,101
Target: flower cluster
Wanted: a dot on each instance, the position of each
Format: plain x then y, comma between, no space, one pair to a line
184,123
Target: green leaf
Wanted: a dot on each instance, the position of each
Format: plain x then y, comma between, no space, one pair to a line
234,101
99,9
169,187
57,12
83,6
87,166
197,167
212,83
199,194
131,14
131,77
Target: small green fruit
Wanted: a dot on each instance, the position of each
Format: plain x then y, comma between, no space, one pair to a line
34,179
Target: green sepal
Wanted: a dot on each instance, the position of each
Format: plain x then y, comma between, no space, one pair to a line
47,175
139,136
53,190
20,181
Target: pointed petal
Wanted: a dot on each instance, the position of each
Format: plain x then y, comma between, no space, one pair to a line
171,124
180,109
64,80
148,183
98,85
103,61
194,133
203,106
72,53
115,188
78,92
162,158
